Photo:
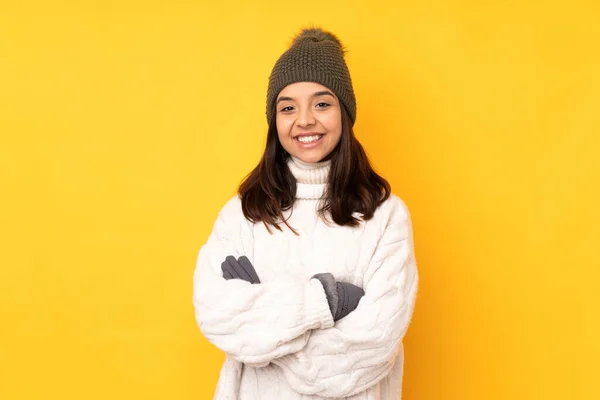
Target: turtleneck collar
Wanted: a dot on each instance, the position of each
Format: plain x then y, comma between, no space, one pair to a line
311,178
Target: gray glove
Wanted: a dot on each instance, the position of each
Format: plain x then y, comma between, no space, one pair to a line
343,297
239,269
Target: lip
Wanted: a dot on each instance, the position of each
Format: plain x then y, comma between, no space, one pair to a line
310,145
304,134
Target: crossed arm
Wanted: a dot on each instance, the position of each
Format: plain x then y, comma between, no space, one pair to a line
288,321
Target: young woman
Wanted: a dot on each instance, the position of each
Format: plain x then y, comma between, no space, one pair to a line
308,279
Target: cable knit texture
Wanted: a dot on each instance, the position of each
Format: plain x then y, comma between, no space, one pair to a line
279,336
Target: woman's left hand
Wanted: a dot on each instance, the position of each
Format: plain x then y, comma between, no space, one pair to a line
239,269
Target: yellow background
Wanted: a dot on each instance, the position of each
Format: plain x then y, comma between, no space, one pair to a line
126,125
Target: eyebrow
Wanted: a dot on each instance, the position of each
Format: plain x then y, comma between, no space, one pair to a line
316,94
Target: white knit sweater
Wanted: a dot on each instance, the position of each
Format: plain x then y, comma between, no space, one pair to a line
279,336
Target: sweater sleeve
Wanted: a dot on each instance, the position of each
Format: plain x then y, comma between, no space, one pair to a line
253,324
361,348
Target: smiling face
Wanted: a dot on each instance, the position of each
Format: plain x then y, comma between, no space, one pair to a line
309,121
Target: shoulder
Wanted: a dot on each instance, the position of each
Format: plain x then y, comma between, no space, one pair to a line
391,223
231,213
392,211
232,207
231,228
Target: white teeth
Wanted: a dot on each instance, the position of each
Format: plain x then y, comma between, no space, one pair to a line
309,139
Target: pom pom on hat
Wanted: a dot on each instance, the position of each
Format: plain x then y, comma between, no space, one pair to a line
317,35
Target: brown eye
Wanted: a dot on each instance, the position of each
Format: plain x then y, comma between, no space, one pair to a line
322,105
288,108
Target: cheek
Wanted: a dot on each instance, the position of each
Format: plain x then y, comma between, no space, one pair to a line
334,125
283,128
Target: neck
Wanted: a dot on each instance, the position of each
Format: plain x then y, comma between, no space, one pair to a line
311,178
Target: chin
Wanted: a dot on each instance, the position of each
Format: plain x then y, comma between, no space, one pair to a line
310,158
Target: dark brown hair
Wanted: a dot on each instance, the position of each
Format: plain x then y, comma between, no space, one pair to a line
353,185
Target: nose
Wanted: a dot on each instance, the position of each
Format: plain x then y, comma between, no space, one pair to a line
305,118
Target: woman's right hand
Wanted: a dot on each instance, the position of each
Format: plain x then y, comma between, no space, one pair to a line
343,297
349,296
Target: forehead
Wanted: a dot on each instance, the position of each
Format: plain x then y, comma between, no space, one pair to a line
303,89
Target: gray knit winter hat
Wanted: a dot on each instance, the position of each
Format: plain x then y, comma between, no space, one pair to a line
314,56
